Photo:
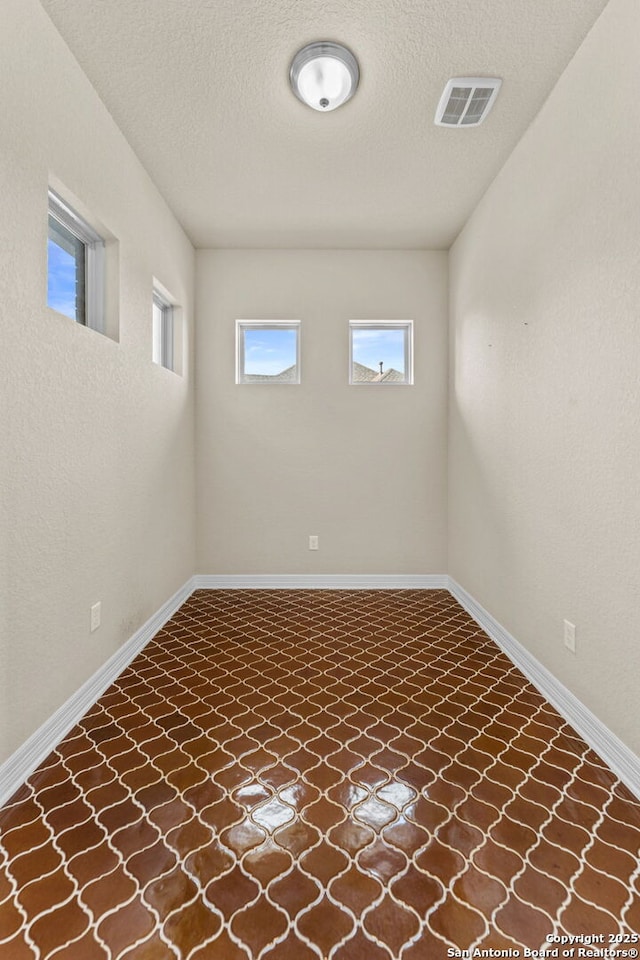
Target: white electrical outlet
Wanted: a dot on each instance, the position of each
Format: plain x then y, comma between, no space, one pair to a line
570,636
313,543
96,614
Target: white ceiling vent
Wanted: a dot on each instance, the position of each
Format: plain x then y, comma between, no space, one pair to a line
466,101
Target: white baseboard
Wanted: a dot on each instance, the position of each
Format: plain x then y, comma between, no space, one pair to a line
312,581
18,767
24,761
624,763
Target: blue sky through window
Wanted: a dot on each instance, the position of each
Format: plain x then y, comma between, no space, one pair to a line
370,346
61,280
268,351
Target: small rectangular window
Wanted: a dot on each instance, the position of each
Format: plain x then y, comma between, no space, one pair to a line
380,352
75,266
163,332
268,351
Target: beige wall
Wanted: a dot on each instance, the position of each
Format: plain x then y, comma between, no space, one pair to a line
96,470
364,468
544,389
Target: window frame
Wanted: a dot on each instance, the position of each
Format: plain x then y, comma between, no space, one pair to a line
407,326
166,355
241,327
93,315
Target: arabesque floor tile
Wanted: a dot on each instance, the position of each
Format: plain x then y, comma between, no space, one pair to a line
289,775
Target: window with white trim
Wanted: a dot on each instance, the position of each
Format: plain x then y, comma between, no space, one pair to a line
268,351
75,266
380,352
163,330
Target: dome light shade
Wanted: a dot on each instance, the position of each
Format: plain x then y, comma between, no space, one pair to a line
324,75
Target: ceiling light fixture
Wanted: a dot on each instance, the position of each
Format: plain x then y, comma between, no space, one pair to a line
324,75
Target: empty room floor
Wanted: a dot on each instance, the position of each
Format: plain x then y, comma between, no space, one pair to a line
318,774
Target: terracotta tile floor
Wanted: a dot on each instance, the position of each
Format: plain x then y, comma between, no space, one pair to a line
298,775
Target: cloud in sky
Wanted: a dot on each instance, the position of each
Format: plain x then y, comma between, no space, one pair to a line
61,280
268,352
371,346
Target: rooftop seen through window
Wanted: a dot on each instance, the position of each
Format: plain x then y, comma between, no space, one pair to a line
380,352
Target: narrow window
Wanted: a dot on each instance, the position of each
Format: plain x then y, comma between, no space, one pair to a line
75,266
380,352
268,351
163,332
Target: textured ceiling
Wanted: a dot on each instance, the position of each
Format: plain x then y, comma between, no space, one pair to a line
200,90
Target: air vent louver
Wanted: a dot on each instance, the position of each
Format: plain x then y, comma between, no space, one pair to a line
466,101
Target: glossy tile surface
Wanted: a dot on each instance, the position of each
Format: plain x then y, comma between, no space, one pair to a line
298,775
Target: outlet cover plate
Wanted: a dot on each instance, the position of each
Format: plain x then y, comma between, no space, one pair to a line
96,614
570,636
